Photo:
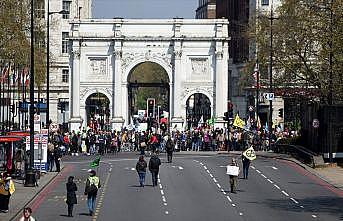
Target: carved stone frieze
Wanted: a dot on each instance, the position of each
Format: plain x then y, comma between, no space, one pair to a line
98,66
76,54
129,57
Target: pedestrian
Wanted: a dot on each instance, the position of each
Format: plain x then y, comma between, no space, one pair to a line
233,179
27,215
58,156
91,190
141,170
71,195
170,149
154,167
246,164
7,188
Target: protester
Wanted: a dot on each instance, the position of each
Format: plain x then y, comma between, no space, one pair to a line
154,166
169,149
7,188
27,215
71,195
233,179
91,190
141,170
246,164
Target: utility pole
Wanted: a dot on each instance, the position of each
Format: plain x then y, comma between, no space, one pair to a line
270,123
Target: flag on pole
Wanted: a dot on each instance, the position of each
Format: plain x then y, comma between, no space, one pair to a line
95,163
211,121
238,122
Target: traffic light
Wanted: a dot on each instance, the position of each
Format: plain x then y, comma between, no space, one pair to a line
226,116
281,112
151,107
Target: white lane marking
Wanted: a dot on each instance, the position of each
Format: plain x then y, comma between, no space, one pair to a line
166,212
195,161
159,180
223,166
173,166
201,164
274,168
286,194
214,179
223,191
229,199
302,207
110,169
270,181
164,199
294,200
219,185
253,167
241,214
205,167
314,216
234,205
258,171
166,204
277,186
160,186
133,169
263,175
211,175
162,193
207,171
181,168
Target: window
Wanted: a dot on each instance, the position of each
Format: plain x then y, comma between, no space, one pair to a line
265,2
65,35
65,75
66,7
40,9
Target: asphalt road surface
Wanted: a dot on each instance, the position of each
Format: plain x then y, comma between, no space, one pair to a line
193,187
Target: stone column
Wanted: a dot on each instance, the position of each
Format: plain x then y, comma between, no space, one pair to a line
117,120
177,90
75,119
124,102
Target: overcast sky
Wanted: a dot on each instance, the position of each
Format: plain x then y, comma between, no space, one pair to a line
144,8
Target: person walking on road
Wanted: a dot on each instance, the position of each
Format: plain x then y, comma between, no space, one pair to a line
154,167
141,170
71,195
91,190
27,215
169,149
233,179
246,164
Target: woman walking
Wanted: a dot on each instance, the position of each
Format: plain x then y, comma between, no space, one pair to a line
141,170
71,195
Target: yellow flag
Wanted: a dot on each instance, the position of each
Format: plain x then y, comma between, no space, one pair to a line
238,122
250,153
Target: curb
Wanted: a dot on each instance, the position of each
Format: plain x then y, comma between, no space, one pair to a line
15,216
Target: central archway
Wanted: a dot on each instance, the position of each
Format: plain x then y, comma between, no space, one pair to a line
148,81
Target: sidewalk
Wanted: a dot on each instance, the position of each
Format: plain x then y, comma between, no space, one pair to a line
332,175
24,195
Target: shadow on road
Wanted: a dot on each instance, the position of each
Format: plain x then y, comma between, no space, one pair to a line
329,205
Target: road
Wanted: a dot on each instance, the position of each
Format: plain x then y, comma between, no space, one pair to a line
194,187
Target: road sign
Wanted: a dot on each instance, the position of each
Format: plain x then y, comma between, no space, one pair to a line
269,96
54,127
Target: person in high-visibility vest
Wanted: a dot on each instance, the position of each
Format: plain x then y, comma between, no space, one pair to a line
6,190
91,190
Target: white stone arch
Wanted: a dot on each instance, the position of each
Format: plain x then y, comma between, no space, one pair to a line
188,93
85,93
140,60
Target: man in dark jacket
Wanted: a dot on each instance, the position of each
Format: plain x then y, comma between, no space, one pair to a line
154,166
71,195
170,148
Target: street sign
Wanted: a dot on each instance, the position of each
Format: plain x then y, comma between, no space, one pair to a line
36,119
315,123
269,96
53,127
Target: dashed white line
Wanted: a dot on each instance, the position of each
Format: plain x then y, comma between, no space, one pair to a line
258,171
162,193
302,207
166,212
219,185
165,204
253,167
314,216
208,171
263,175
211,175
286,194
234,205
201,164
277,186
229,199
294,200
274,168
214,179
180,168
205,167
160,186
241,214
270,181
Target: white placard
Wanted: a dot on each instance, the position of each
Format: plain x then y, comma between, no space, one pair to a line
232,170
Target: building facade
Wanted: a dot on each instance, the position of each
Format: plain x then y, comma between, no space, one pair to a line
103,53
206,9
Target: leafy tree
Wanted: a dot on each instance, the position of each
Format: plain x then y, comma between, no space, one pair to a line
304,34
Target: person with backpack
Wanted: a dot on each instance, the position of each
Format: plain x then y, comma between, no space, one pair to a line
154,167
169,149
141,170
91,190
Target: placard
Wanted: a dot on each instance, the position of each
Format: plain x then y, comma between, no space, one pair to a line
232,170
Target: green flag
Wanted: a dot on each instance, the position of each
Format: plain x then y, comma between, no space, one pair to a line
95,163
211,121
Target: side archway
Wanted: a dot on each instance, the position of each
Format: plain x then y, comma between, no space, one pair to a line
198,109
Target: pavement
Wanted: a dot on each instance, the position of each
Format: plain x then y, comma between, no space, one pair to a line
24,195
125,187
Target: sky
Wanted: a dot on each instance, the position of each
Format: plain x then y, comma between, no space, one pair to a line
144,8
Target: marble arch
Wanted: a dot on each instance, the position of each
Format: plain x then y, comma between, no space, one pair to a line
103,52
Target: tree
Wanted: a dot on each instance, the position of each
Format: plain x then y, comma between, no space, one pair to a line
303,37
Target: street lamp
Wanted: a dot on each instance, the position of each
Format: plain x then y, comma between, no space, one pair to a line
48,59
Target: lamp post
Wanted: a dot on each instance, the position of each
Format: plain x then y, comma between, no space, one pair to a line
48,59
30,178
